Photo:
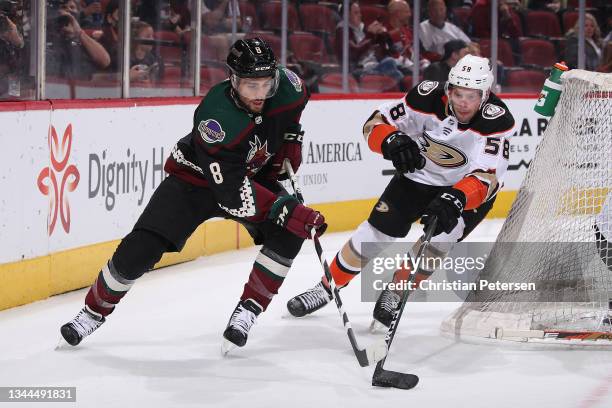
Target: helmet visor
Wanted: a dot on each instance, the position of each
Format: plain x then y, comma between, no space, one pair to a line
255,88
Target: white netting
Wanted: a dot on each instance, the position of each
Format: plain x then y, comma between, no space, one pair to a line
558,206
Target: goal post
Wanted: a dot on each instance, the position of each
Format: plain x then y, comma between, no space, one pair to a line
555,233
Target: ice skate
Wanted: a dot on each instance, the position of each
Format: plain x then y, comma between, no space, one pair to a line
385,307
85,323
310,301
237,331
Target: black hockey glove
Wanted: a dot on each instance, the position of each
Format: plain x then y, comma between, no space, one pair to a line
403,152
447,207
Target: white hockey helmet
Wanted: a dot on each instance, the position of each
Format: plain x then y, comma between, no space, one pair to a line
474,73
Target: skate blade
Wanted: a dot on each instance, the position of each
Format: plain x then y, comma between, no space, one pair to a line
226,347
62,345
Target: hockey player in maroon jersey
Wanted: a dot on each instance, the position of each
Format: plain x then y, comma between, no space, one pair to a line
228,166
449,145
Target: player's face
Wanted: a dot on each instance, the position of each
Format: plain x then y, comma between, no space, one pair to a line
254,91
466,103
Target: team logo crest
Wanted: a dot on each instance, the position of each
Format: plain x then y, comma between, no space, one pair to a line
258,156
491,111
442,154
426,87
294,79
211,131
382,207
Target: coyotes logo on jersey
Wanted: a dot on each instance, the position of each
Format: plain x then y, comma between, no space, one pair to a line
257,157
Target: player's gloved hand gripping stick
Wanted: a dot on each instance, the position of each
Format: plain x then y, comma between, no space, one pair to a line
365,356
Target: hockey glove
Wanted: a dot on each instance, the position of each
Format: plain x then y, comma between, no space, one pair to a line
296,218
290,149
447,207
403,152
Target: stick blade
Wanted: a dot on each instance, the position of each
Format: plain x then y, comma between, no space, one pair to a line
393,379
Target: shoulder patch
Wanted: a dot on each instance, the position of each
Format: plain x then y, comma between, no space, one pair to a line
426,87
294,79
211,131
490,111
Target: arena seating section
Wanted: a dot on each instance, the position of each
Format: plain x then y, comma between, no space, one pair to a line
526,60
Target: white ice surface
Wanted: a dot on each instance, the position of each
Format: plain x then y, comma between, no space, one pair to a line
161,348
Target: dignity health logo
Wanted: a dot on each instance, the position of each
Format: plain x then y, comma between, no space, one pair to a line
59,178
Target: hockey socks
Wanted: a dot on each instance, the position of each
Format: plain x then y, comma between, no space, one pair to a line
345,266
267,276
108,289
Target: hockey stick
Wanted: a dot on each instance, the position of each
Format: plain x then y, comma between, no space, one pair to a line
388,378
365,356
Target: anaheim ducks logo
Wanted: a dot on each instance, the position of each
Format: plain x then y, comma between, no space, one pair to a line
440,153
426,87
382,207
491,111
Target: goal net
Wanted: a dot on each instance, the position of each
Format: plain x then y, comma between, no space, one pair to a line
550,236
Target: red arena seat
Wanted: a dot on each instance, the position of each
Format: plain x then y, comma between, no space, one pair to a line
529,81
318,18
308,47
271,13
538,52
372,83
332,83
544,23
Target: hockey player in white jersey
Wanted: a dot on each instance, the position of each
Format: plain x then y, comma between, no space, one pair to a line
449,145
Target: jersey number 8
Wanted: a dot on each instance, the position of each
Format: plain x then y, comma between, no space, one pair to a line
215,170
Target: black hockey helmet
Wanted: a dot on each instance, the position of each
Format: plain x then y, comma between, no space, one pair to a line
252,58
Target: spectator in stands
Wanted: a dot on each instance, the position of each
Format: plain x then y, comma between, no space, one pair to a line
454,50
509,23
145,66
436,31
459,3
545,5
91,14
217,23
400,20
217,16
110,33
179,20
592,44
608,27
154,12
474,49
606,62
72,53
369,50
11,45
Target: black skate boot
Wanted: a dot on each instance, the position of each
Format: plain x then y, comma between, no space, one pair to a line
385,307
241,321
310,301
85,323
